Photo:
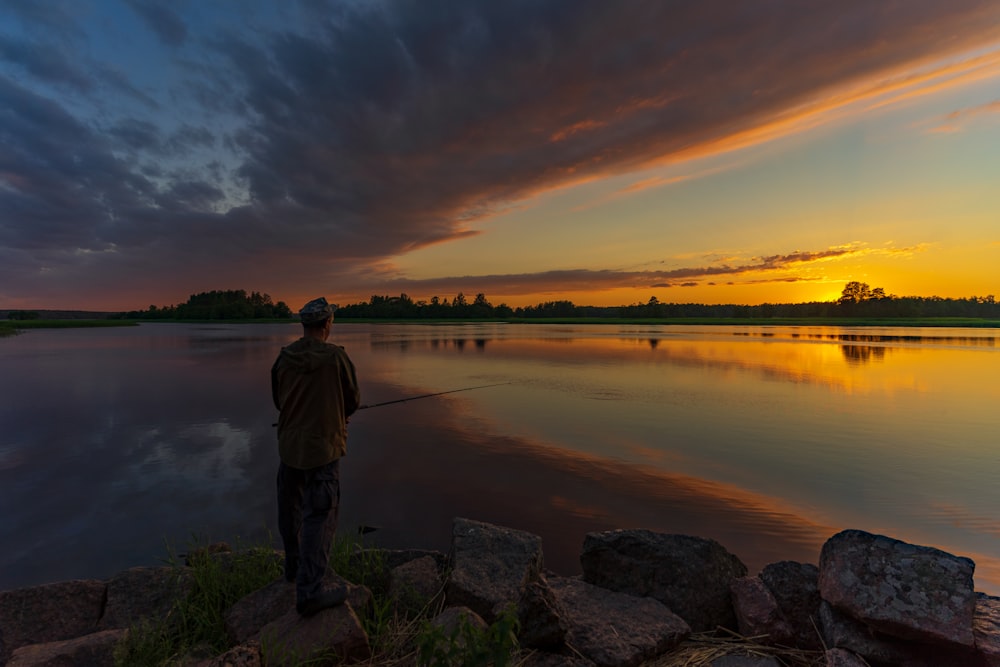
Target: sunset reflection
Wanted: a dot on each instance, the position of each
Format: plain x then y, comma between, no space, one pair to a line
766,439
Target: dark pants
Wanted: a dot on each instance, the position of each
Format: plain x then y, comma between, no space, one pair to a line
308,507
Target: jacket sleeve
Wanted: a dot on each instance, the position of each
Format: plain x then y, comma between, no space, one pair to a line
349,387
274,384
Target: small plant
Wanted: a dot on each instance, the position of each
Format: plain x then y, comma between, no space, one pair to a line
468,645
196,621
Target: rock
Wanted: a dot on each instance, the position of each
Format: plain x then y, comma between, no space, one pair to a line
690,575
841,631
901,589
332,634
450,620
838,657
453,624
143,593
757,612
744,661
49,613
393,558
243,655
248,615
543,659
615,629
986,629
490,566
415,585
93,650
542,625
795,587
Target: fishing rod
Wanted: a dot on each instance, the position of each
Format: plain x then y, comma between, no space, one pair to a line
437,393
413,398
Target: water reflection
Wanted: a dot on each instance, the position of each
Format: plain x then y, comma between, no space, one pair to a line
766,439
862,354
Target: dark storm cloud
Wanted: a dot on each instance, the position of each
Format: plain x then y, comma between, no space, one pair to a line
365,130
398,126
44,63
163,21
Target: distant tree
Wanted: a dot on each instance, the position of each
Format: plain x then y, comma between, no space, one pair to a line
855,292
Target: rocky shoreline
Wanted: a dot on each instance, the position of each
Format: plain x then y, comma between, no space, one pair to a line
871,600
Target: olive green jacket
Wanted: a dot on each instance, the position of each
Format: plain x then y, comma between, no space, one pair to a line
315,390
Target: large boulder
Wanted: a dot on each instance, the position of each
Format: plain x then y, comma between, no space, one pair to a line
900,589
838,657
93,650
415,585
986,628
144,593
248,615
795,587
334,635
690,575
615,629
490,566
242,655
541,618
757,612
49,613
842,631
251,613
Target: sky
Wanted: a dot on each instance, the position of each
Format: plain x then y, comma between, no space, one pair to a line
717,151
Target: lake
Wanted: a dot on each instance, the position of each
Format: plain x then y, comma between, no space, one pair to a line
119,446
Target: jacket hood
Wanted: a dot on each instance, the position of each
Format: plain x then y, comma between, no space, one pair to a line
307,354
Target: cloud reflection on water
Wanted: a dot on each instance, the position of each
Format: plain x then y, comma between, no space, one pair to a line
755,441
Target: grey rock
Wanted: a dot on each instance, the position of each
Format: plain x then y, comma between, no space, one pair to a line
143,593
393,558
544,659
415,585
986,629
757,612
842,631
451,619
452,623
248,615
839,657
92,650
795,587
745,661
49,613
542,624
490,566
333,635
690,575
615,629
901,589
242,655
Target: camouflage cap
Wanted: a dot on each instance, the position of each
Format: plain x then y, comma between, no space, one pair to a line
316,310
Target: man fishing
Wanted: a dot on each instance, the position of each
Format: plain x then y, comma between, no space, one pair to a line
315,390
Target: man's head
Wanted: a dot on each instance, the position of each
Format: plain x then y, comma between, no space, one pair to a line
316,314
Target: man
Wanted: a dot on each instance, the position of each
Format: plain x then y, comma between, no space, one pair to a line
315,390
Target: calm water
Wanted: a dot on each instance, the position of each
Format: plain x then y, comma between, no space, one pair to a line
116,444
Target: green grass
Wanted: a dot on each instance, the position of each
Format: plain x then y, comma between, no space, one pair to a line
195,626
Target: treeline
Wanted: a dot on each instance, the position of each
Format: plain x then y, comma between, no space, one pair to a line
857,300
216,305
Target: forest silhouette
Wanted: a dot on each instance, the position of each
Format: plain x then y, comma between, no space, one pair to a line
858,300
